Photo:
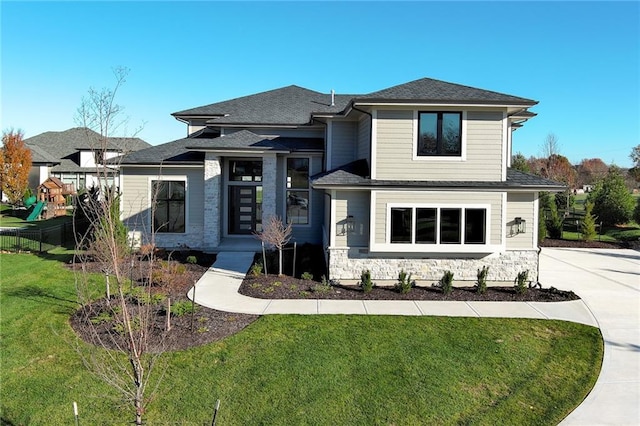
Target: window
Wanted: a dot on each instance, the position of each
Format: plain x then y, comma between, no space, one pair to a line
245,171
444,225
169,208
298,191
439,134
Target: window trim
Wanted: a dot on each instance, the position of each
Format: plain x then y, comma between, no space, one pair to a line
169,178
438,245
441,158
308,189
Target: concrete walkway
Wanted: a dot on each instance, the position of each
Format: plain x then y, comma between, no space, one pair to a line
608,281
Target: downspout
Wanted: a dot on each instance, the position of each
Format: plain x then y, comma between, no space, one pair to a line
326,249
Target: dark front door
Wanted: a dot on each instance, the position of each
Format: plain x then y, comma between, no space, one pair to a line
242,209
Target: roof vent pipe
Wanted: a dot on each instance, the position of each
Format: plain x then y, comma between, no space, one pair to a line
333,97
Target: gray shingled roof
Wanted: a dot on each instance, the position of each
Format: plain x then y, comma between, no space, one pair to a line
65,146
287,105
294,105
40,156
186,151
515,180
430,90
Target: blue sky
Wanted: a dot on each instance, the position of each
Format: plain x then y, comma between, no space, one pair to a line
580,60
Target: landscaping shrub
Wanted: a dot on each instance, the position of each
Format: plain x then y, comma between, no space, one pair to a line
554,222
192,260
481,284
404,283
306,276
446,282
612,201
366,284
323,287
588,226
183,307
521,282
256,269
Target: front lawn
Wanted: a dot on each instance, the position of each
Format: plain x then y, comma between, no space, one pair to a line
290,369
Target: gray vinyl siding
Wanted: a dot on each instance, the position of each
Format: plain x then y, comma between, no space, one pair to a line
356,204
364,138
343,142
521,205
136,202
395,145
494,200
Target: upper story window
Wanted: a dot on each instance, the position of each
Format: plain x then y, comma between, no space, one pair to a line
245,170
298,191
439,134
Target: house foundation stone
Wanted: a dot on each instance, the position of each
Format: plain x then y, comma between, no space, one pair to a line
347,264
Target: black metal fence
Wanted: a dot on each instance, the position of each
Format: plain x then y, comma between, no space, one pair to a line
37,240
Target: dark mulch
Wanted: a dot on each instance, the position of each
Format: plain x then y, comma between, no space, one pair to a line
550,242
285,287
205,326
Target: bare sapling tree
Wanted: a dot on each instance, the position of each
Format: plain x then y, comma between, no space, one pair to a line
275,234
104,243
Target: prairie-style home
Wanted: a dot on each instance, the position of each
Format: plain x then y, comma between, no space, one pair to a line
412,177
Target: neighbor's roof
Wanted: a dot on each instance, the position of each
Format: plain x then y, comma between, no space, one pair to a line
349,176
64,146
294,105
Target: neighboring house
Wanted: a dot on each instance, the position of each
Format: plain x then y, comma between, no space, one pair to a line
413,177
76,156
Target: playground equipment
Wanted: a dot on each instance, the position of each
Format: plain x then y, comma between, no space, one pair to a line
37,209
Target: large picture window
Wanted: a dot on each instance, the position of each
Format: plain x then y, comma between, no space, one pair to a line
169,207
298,191
444,225
439,134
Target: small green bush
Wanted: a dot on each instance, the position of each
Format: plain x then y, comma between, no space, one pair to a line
192,260
142,296
102,317
306,276
404,283
588,225
446,282
323,287
256,269
183,307
366,284
481,284
521,282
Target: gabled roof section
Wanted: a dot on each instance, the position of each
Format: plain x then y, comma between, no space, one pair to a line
428,90
40,156
63,147
291,105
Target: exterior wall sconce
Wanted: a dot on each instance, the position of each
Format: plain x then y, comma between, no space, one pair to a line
521,225
351,224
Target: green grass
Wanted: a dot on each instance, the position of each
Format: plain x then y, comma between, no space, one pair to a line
288,369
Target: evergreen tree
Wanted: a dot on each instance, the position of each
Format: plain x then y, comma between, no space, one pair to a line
588,227
612,202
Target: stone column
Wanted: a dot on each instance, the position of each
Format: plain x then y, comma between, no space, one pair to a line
269,183
212,200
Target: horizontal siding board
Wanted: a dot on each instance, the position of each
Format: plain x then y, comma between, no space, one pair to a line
395,145
356,204
520,205
494,200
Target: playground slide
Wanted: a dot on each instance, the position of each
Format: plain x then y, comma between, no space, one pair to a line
35,212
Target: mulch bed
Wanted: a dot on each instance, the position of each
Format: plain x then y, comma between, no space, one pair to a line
286,287
550,242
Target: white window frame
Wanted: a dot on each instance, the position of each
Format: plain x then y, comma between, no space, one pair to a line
439,158
169,178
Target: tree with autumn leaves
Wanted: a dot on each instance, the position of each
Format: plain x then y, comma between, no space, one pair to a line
15,164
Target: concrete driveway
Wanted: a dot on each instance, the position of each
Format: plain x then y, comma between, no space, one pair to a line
608,281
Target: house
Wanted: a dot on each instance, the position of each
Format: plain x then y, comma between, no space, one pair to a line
77,156
412,177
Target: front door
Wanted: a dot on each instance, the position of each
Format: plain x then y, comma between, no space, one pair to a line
243,210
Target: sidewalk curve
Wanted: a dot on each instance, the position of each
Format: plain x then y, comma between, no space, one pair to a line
608,282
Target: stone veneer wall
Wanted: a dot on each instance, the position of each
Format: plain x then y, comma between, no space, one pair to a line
212,200
347,264
192,239
269,190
